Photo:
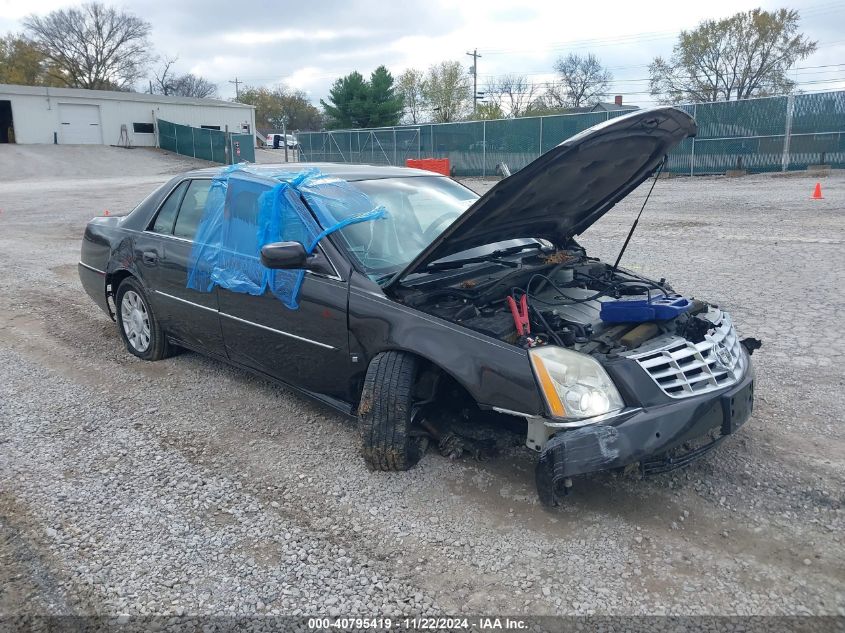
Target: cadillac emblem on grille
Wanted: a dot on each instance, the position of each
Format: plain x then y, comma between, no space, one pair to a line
723,355
683,368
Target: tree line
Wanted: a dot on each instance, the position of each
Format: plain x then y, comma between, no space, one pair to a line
98,47
742,56
94,46
443,93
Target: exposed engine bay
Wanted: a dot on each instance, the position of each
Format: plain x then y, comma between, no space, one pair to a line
627,370
548,296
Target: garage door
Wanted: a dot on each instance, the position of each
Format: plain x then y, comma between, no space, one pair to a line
80,124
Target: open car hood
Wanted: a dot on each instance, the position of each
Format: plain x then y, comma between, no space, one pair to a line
568,188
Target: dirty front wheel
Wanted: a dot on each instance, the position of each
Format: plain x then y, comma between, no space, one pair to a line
139,328
385,413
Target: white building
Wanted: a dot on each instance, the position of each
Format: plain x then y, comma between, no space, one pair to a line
37,114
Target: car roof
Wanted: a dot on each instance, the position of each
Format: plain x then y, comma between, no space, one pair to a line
346,171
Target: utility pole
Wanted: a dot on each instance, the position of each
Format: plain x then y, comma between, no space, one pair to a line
237,91
474,54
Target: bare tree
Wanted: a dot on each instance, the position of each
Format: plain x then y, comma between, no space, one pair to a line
582,80
513,94
743,56
448,92
191,85
188,85
92,46
411,85
164,77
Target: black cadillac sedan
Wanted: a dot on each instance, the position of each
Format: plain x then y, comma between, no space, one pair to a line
401,297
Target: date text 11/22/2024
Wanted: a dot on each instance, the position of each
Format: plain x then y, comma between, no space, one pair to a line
419,624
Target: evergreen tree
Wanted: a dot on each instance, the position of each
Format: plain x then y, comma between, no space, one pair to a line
385,107
357,103
348,105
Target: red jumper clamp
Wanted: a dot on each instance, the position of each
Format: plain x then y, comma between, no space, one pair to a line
520,315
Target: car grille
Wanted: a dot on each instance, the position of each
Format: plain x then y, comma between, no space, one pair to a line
683,368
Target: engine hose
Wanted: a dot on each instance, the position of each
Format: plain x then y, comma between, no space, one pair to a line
552,272
644,280
571,300
546,325
634,279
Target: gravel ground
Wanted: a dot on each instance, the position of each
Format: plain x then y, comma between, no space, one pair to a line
190,487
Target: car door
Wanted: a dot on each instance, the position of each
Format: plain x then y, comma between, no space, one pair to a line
308,346
187,315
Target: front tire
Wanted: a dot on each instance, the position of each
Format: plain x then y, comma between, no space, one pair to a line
137,323
385,413
546,489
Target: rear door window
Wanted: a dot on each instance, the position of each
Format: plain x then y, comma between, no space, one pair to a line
193,205
163,222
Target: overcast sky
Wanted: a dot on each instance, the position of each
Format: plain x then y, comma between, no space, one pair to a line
309,44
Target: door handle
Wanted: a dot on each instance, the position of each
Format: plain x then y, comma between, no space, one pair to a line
150,258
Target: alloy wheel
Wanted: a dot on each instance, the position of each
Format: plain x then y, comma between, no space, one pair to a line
136,320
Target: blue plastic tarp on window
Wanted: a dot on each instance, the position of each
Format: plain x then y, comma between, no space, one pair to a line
243,213
208,241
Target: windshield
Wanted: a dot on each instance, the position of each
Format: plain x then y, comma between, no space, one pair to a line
419,208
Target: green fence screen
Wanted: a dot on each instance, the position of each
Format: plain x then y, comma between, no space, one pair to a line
757,135
211,145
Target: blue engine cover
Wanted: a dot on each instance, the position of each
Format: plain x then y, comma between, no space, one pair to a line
659,308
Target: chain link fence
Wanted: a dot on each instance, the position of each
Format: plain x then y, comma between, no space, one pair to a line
756,135
212,145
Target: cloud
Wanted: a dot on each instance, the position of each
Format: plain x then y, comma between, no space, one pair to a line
292,35
302,78
309,45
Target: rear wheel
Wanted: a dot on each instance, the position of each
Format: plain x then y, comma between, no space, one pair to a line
138,325
386,413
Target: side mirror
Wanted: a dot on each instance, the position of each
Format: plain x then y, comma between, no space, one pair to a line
284,255
292,256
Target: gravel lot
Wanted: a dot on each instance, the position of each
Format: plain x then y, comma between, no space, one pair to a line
187,486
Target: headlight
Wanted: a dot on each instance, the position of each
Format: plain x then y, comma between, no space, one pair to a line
575,385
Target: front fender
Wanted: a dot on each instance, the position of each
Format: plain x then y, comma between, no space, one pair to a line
495,374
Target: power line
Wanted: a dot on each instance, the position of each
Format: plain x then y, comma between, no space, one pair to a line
551,72
619,85
648,92
808,82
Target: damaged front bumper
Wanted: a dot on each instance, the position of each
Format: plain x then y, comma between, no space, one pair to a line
660,438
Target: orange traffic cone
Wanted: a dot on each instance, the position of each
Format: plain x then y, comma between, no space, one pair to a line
817,192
